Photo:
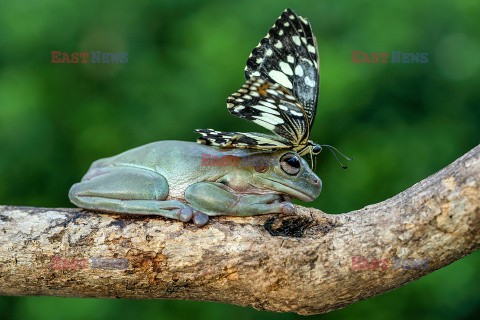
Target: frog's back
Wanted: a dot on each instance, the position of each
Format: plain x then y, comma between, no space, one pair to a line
166,156
152,155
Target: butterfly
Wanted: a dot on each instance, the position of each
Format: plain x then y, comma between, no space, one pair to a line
280,93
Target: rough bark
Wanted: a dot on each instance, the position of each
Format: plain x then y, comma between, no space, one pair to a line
303,264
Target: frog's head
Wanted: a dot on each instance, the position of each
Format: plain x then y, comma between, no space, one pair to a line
286,172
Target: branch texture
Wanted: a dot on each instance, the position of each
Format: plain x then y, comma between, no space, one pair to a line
310,263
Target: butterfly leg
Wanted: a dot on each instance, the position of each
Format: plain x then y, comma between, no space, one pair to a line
217,199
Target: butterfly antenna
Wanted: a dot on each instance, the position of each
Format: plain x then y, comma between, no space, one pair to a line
333,150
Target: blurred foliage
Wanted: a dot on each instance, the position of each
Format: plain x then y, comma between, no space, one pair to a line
401,122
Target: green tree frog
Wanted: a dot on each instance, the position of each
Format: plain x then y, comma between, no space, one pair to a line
190,181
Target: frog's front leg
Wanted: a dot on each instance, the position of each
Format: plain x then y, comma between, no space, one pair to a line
217,199
130,191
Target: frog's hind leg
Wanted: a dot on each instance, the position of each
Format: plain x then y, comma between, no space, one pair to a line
130,191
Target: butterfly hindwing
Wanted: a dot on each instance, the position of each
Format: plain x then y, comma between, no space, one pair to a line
288,55
271,106
252,140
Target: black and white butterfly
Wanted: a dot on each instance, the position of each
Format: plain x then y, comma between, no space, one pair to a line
280,93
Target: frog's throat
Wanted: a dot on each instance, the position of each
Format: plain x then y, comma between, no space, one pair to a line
296,193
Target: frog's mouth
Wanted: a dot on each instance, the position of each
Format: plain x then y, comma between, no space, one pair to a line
286,189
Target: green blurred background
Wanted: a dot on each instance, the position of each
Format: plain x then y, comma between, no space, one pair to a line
402,122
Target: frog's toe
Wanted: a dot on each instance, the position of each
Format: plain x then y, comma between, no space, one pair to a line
288,208
200,218
185,214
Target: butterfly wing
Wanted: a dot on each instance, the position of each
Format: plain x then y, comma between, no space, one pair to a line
271,106
281,90
288,55
251,140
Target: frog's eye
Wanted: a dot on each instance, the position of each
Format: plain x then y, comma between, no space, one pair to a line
290,163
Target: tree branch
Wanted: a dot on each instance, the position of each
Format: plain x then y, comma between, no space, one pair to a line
305,264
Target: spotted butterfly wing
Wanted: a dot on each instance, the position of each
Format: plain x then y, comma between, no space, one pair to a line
288,55
252,140
280,93
271,106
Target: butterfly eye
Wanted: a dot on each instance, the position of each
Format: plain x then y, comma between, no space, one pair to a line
290,164
317,149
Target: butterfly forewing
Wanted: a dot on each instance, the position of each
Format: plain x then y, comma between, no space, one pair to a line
288,56
271,106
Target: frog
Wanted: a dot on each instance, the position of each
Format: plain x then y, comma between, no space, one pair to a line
187,181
